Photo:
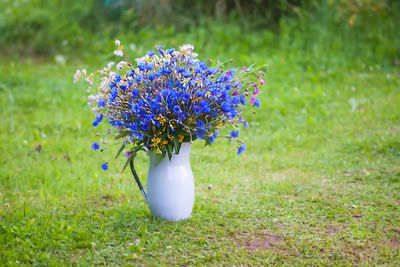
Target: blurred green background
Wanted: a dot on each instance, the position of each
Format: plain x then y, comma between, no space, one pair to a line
357,29
318,184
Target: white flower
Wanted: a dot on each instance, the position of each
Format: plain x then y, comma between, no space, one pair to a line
175,54
92,100
117,42
77,76
88,80
186,48
110,64
121,65
118,53
144,59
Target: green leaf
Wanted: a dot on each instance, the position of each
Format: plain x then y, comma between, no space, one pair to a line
176,144
131,157
122,134
169,150
120,150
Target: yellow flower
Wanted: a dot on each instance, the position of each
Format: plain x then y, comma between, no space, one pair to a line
164,142
158,151
180,138
155,141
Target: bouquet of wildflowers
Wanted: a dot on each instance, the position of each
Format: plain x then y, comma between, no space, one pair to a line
168,97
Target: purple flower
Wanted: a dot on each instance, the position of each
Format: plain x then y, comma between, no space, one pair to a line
104,166
396,62
128,153
257,103
150,53
95,146
241,149
246,125
234,134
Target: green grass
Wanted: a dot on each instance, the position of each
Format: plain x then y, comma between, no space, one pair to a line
319,183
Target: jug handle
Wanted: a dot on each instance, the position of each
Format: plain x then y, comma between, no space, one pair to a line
137,177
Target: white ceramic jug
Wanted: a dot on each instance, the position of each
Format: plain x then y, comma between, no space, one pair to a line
170,186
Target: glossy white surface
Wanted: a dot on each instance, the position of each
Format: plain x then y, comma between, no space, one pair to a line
170,186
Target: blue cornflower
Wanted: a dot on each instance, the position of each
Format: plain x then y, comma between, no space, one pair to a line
95,146
187,73
226,107
131,73
199,93
123,87
212,137
169,51
246,125
142,66
145,126
243,100
149,66
165,70
241,149
99,117
150,53
200,124
117,77
101,103
257,103
177,110
185,96
135,93
114,94
151,77
234,134
104,166
236,100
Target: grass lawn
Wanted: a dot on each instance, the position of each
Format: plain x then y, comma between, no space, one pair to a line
318,184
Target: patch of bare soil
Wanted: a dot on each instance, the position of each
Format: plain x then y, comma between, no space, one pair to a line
258,241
